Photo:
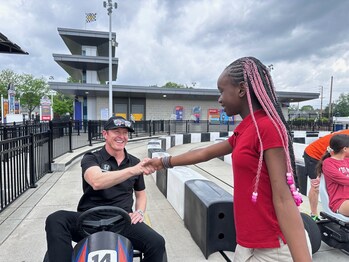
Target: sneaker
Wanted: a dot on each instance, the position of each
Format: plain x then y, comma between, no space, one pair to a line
315,218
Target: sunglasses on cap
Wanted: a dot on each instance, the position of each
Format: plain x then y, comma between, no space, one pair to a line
122,123
117,122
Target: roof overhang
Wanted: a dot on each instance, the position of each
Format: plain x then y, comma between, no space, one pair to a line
76,38
75,64
154,92
8,47
295,97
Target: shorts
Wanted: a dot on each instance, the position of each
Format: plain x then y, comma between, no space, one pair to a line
281,254
310,166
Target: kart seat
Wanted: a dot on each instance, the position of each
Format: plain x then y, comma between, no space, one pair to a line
325,201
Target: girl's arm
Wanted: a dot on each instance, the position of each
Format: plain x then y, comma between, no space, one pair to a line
287,213
194,156
202,154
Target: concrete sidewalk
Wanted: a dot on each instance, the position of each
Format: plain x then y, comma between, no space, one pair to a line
22,234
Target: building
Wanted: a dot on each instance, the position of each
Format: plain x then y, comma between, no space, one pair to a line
88,63
9,47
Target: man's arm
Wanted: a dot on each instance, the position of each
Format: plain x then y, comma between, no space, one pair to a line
103,180
140,206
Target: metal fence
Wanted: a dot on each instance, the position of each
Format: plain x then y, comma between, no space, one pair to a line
28,149
24,160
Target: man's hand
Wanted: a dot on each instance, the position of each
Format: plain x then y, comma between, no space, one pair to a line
140,169
152,165
137,217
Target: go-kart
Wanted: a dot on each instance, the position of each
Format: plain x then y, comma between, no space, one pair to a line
103,243
333,228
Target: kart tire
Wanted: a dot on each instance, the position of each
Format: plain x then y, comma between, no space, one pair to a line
313,232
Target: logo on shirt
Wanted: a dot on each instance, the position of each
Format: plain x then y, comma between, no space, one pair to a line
105,167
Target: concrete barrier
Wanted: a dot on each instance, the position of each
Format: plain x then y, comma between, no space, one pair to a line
173,140
208,215
154,145
195,138
178,139
205,137
187,139
214,136
311,136
160,176
176,179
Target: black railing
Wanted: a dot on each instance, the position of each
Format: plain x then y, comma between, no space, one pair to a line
24,160
27,150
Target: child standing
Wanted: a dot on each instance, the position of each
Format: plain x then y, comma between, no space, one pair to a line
267,221
334,165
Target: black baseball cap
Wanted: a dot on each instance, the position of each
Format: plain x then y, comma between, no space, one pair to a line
116,122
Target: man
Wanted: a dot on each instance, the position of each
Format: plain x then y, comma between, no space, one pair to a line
312,154
110,176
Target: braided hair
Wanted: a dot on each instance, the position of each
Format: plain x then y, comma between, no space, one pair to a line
260,88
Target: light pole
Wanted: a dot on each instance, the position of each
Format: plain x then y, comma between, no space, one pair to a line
321,99
110,5
330,113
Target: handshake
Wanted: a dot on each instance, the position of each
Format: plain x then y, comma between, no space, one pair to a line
149,165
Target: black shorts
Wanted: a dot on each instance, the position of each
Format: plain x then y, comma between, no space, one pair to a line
310,166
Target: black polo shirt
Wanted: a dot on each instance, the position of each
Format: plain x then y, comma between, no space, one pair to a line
120,195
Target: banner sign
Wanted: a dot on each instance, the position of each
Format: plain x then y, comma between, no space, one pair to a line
5,107
45,104
197,113
179,112
213,116
11,97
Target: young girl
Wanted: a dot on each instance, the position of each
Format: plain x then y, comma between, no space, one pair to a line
265,197
334,165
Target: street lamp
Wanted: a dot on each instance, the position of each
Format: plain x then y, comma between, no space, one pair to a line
110,5
330,113
321,99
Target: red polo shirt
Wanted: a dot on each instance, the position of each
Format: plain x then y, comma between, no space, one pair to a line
256,223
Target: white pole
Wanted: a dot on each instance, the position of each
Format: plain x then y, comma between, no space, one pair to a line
110,67
2,108
321,99
51,105
330,114
109,7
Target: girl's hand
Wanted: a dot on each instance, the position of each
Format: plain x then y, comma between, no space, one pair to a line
152,165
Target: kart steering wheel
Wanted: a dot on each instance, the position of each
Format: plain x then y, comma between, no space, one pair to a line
103,218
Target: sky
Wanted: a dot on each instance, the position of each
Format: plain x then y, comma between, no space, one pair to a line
190,42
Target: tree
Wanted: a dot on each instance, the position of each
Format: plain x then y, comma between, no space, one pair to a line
307,108
62,104
341,107
72,80
293,108
7,76
30,91
173,85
